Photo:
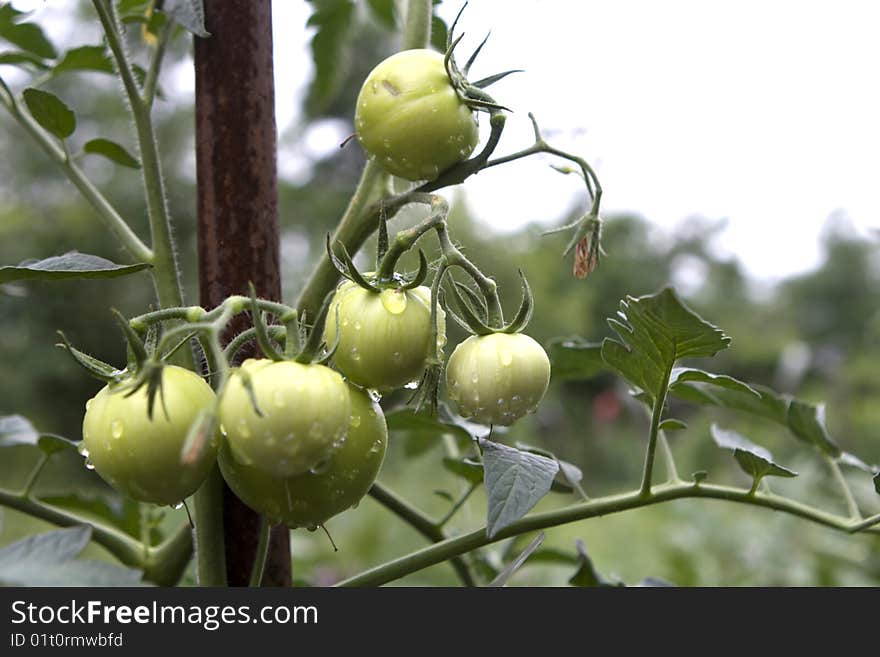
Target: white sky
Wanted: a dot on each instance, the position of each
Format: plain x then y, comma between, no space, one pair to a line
766,113
763,113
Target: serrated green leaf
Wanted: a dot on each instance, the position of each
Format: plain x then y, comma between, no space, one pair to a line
755,461
575,359
654,332
85,58
188,13
807,422
17,430
383,10
69,265
333,20
112,151
511,568
21,58
671,424
515,482
50,560
27,36
465,468
50,112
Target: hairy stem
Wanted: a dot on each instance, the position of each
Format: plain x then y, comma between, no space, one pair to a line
460,545
417,30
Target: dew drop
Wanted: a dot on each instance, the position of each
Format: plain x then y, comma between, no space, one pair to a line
355,505
374,395
355,354
355,420
396,356
116,429
435,109
178,506
83,450
515,398
357,325
475,378
412,385
89,465
376,447
222,430
345,322
312,528
506,358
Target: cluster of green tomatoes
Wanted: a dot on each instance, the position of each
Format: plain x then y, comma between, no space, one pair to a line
301,437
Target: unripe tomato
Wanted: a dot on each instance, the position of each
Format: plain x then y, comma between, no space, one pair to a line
384,337
410,118
305,411
497,378
139,456
310,499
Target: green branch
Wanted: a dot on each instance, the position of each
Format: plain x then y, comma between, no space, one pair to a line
455,547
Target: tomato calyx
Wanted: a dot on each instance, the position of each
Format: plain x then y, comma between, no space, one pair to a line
471,94
473,315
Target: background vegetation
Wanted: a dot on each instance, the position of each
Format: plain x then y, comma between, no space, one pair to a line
816,335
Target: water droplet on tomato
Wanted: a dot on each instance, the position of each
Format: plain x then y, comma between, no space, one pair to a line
178,506
412,385
89,465
355,354
355,420
320,467
376,447
116,429
374,395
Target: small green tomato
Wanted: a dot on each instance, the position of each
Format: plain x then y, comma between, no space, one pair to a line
139,456
384,337
410,118
305,411
310,499
497,378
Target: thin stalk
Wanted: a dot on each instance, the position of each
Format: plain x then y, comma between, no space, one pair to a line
656,416
35,473
423,524
851,504
460,545
111,219
151,80
417,30
261,552
458,504
669,460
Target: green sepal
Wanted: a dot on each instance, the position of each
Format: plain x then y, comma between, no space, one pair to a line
476,53
312,343
527,306
259,318
137,351
468,318
492,79
477,302
346,267
420,275
97,368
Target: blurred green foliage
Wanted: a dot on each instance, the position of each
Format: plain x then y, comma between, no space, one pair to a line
816,335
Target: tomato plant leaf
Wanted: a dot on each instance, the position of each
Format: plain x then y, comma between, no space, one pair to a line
575,359
672,424
85,58
22,60
807,422
50,560
586,574
333,21
112,151
27,36
755,461
69,265
190,14
439,31
682,374
511,568
467,469
654,332
50,112
569,477
17,430
383,10
515,481
50,443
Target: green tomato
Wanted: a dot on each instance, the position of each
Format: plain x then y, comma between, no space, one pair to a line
410,118
497,378
384,337
310,499
304,411
139,456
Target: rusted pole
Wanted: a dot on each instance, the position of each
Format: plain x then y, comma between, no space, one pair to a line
238,238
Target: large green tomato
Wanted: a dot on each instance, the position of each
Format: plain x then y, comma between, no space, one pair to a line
384,337
139,456
305,411
310,499
410,118
497,378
